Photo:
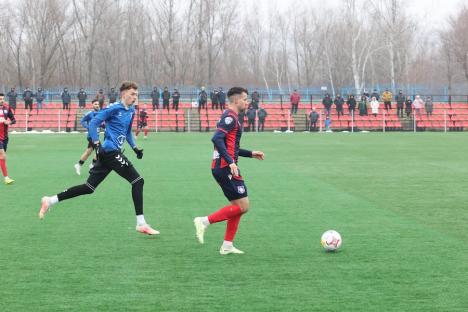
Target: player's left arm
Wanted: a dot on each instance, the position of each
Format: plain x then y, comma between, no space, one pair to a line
252,154
10,118
131,141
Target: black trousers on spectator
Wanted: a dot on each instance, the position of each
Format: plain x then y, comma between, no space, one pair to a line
65,105
313,125
214,105
400,110
294,108
201,105
28,104
222,106
155,105
388,105
175,105
261,125
166,104
339,111
82,104
251,125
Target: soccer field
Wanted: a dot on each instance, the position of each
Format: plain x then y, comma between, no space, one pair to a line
399,201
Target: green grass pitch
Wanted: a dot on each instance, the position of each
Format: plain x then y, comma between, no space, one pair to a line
399,201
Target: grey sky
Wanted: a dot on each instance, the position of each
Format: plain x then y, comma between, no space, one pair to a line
430,14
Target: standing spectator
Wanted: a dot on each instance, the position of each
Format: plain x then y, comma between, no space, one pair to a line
351,104
101,98
82,96
387,97
363,106
339,102
202,99
175,99
327,103
313,117
418,105
155,98
222,99
28,96
328,123
400,102
214,99
408,106
255,99
262,114
166,97
241,116
251,115
374,104
366,94
12,96
429,106
66,99
375,94
39,98
113,95
295,99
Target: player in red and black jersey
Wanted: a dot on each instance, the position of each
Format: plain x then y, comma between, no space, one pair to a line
225,171
6,118
142,123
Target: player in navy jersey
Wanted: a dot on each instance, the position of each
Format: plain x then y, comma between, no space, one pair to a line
85,123
224,168
6,119
142,123
118,118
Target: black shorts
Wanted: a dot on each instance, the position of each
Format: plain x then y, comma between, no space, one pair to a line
142,125
112,161
90,142
4,144
233,188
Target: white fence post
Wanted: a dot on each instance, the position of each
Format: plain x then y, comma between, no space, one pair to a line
27,121
414,120
352,121
320,121
188,120
445,121
156,120
59,121
383,122
289,120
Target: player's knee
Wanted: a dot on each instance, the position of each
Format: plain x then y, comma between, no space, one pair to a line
139,183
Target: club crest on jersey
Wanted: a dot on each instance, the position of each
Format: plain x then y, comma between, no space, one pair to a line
241,189
228,120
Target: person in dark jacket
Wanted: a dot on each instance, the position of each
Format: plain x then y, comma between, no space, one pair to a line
262,114
40,97
155,98
66,99
175,99
351,104
429,106
12,97
28,97
214,96
255,99
222,99
166,97
363,106
339,102
101,98
113,95
313,118
327,103
82,96
251,114
400,100
375,94
408,106
202,99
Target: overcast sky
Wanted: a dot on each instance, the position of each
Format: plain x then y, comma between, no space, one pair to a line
431,14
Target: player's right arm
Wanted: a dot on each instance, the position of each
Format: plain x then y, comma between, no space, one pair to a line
225,125
85,120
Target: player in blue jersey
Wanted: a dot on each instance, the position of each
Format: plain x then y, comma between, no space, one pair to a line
85,123
118,118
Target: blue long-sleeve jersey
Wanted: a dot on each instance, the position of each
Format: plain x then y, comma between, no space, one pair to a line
87,118
118,121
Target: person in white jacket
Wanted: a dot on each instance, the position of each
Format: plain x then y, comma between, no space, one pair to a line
418,105
374,106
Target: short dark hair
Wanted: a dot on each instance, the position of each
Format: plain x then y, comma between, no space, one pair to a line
236,91
2,94
127,85
94,100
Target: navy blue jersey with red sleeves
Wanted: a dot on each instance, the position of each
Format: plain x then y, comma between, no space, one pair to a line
226,140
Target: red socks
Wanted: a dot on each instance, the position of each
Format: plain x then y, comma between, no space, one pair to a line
146,132
231,228
230,213
137,133
224,214
4,168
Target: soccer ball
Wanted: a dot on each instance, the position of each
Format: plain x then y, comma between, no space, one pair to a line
331,240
